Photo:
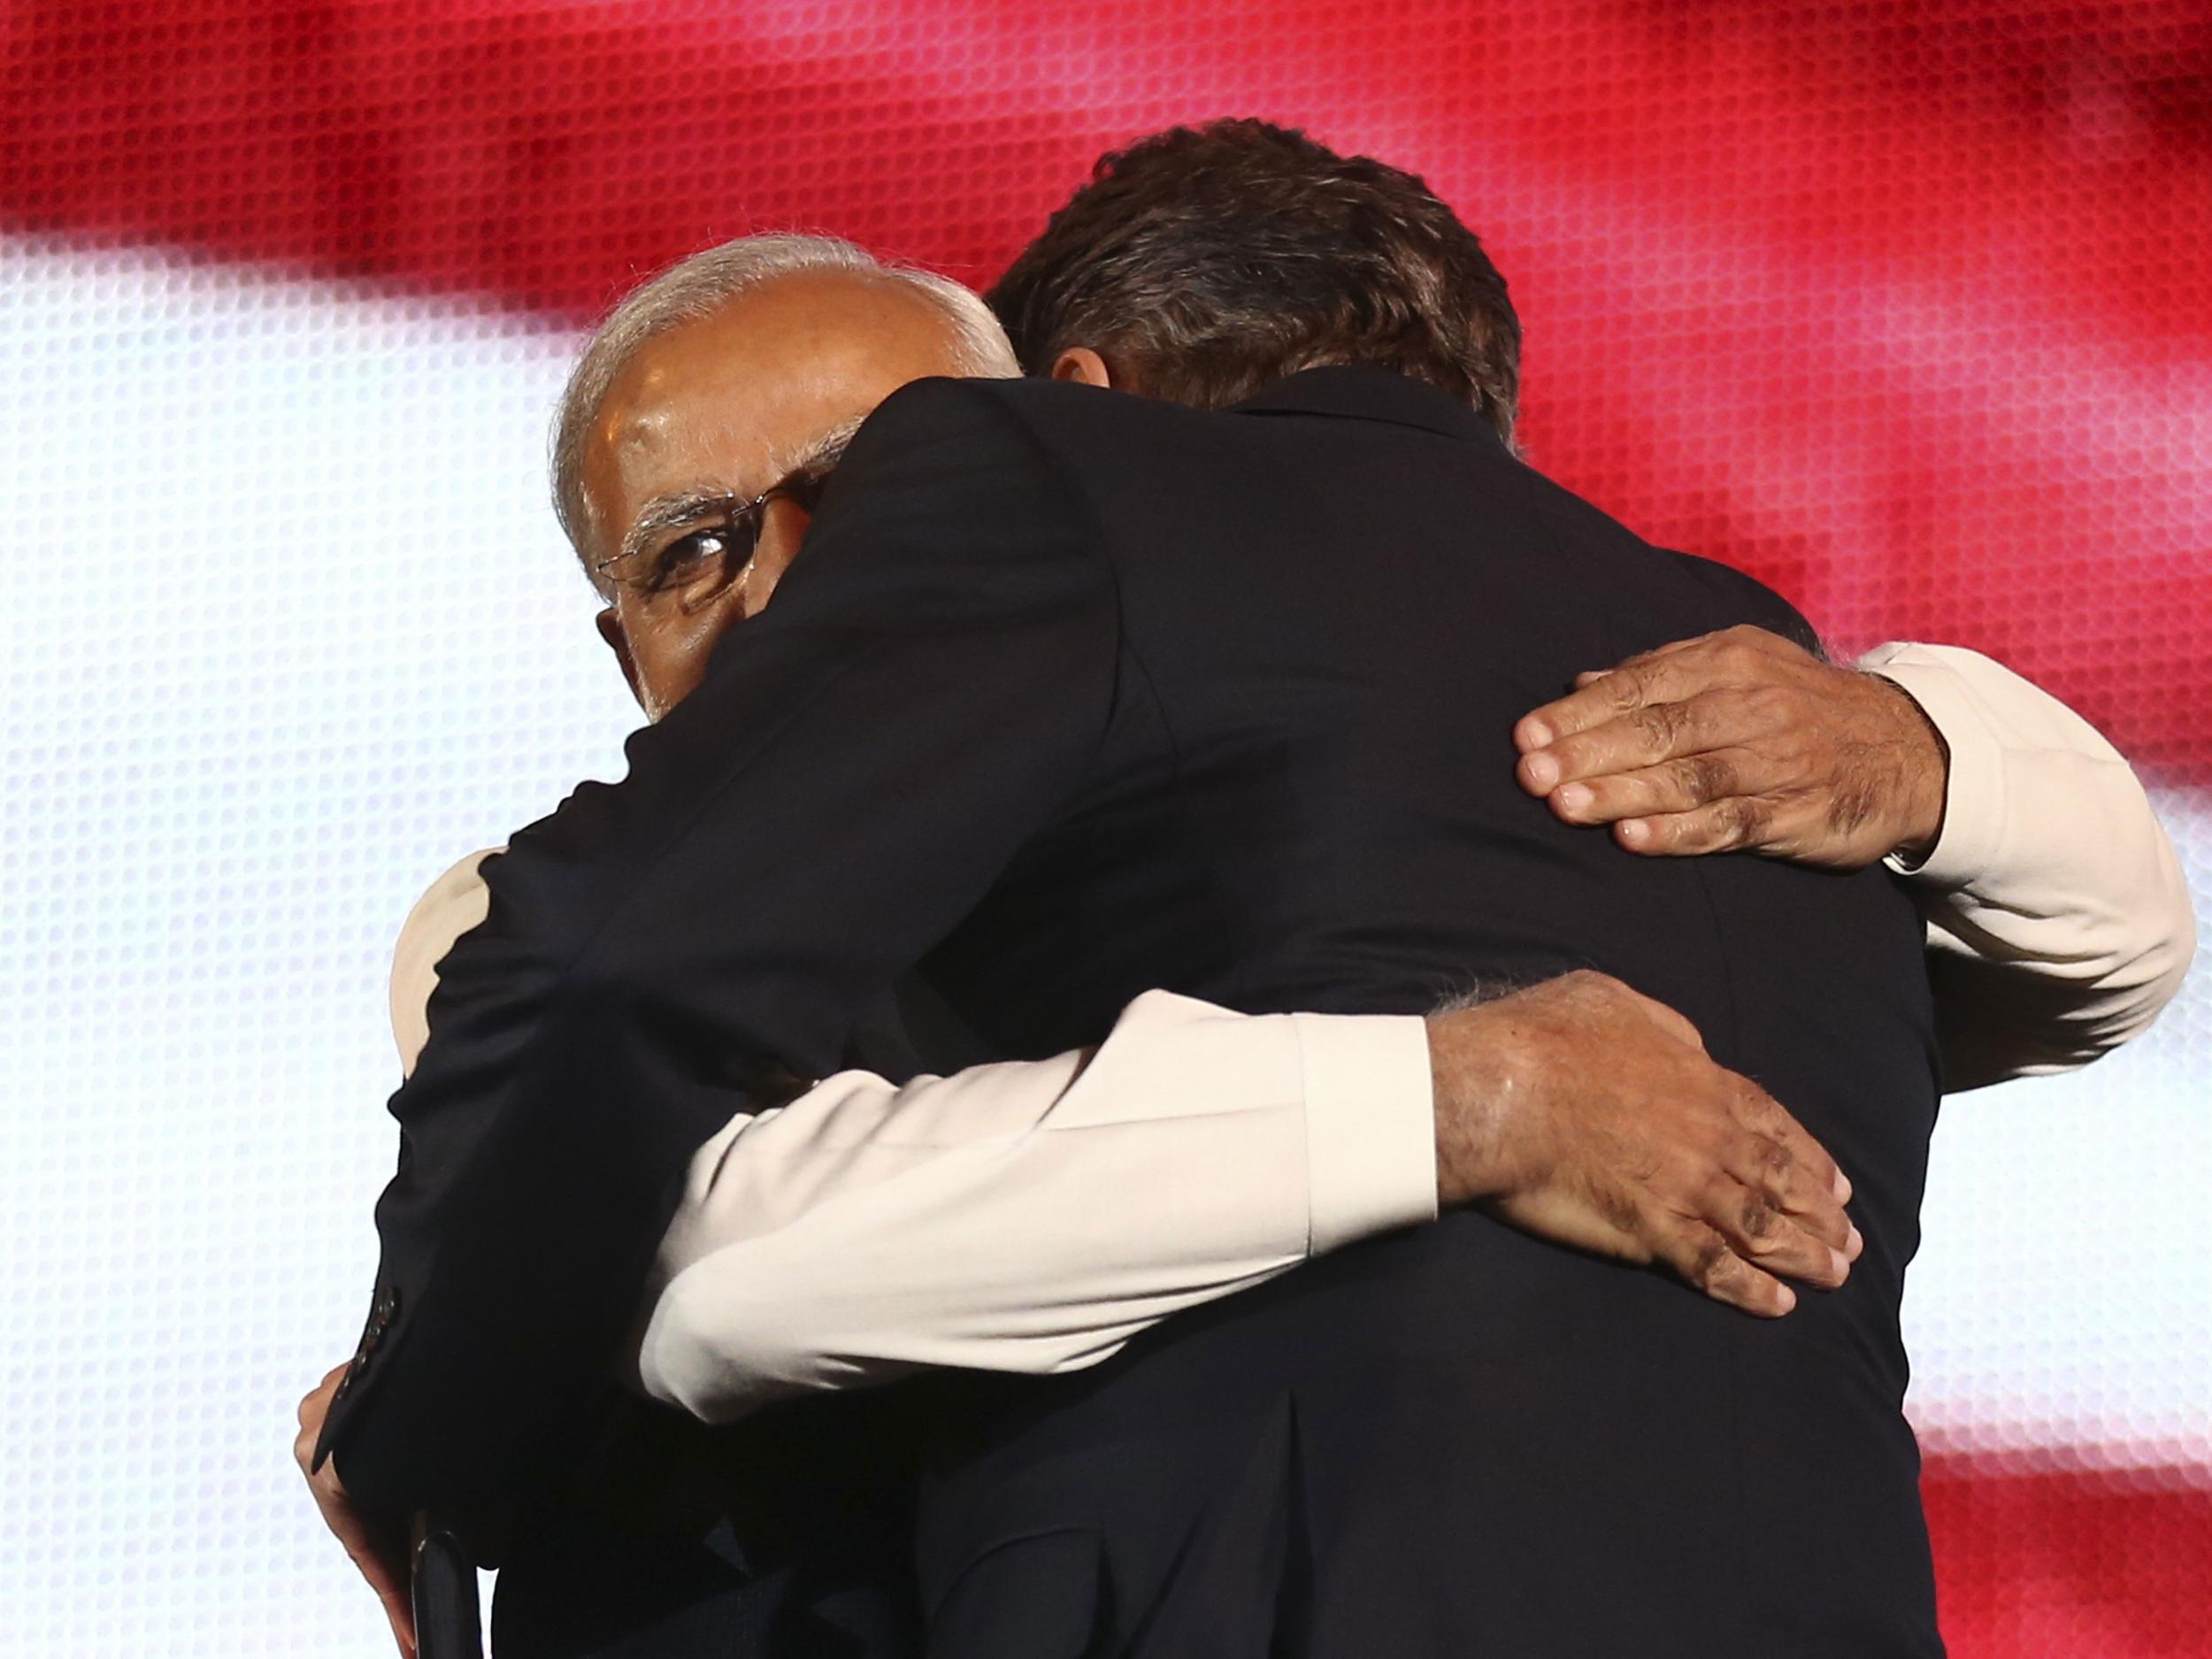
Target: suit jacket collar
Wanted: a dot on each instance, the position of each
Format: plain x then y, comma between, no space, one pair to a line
1364,392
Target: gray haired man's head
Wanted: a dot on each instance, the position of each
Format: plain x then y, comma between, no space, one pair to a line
705,413
708,282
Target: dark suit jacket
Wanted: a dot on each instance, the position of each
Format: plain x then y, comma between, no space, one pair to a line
1075,694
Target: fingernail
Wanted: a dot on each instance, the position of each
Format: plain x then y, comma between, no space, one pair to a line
1843,1187
1634,831
1853,1246
1840,1264
1575,797
1542,771
1537,734
1789,1298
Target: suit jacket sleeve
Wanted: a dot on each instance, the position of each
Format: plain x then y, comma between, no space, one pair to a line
858,766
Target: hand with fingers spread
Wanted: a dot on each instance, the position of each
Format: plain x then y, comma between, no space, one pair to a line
1586,1113
379,1551
1741,740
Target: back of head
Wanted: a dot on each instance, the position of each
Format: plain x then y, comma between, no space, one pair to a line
1202,262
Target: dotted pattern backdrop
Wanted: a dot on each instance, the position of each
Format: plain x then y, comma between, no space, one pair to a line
1902,306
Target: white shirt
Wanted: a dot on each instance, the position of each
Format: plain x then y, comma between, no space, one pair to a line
1033,1217
2056,908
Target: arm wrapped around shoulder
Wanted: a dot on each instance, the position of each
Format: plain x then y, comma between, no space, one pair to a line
855,769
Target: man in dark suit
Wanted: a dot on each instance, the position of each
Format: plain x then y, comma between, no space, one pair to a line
1459,1439
1226,666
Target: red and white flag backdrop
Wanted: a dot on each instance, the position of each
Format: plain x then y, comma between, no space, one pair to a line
1903,307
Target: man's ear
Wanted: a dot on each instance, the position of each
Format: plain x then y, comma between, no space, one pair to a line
783,525
1081,363
610,630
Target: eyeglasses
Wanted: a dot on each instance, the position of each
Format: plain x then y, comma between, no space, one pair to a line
720,553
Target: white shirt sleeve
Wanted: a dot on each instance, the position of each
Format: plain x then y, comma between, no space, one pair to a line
1028,1217
1034,1216
455,902
2058,923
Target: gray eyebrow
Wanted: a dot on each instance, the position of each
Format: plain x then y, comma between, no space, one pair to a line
674,510
683,507
825,451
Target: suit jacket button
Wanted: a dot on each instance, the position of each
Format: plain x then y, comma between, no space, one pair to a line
381,1316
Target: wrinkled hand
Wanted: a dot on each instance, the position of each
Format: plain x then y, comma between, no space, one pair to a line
379,1550
1741,740
1586,1113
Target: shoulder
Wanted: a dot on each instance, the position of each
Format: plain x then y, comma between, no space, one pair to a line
927,403
1003,410
1066,421
1742,598
946,505
1039,454
955,431
934,445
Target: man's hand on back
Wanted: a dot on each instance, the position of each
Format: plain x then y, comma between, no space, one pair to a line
1584,1112
1741,740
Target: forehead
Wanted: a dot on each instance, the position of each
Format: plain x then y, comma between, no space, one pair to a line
720,402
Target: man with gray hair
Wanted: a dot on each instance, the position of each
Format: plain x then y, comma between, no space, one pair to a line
799,411
664,481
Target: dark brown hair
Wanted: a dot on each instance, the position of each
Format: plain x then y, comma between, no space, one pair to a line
1203,261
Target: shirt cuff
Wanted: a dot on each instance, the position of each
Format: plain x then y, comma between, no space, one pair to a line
1974,794
1371,1125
